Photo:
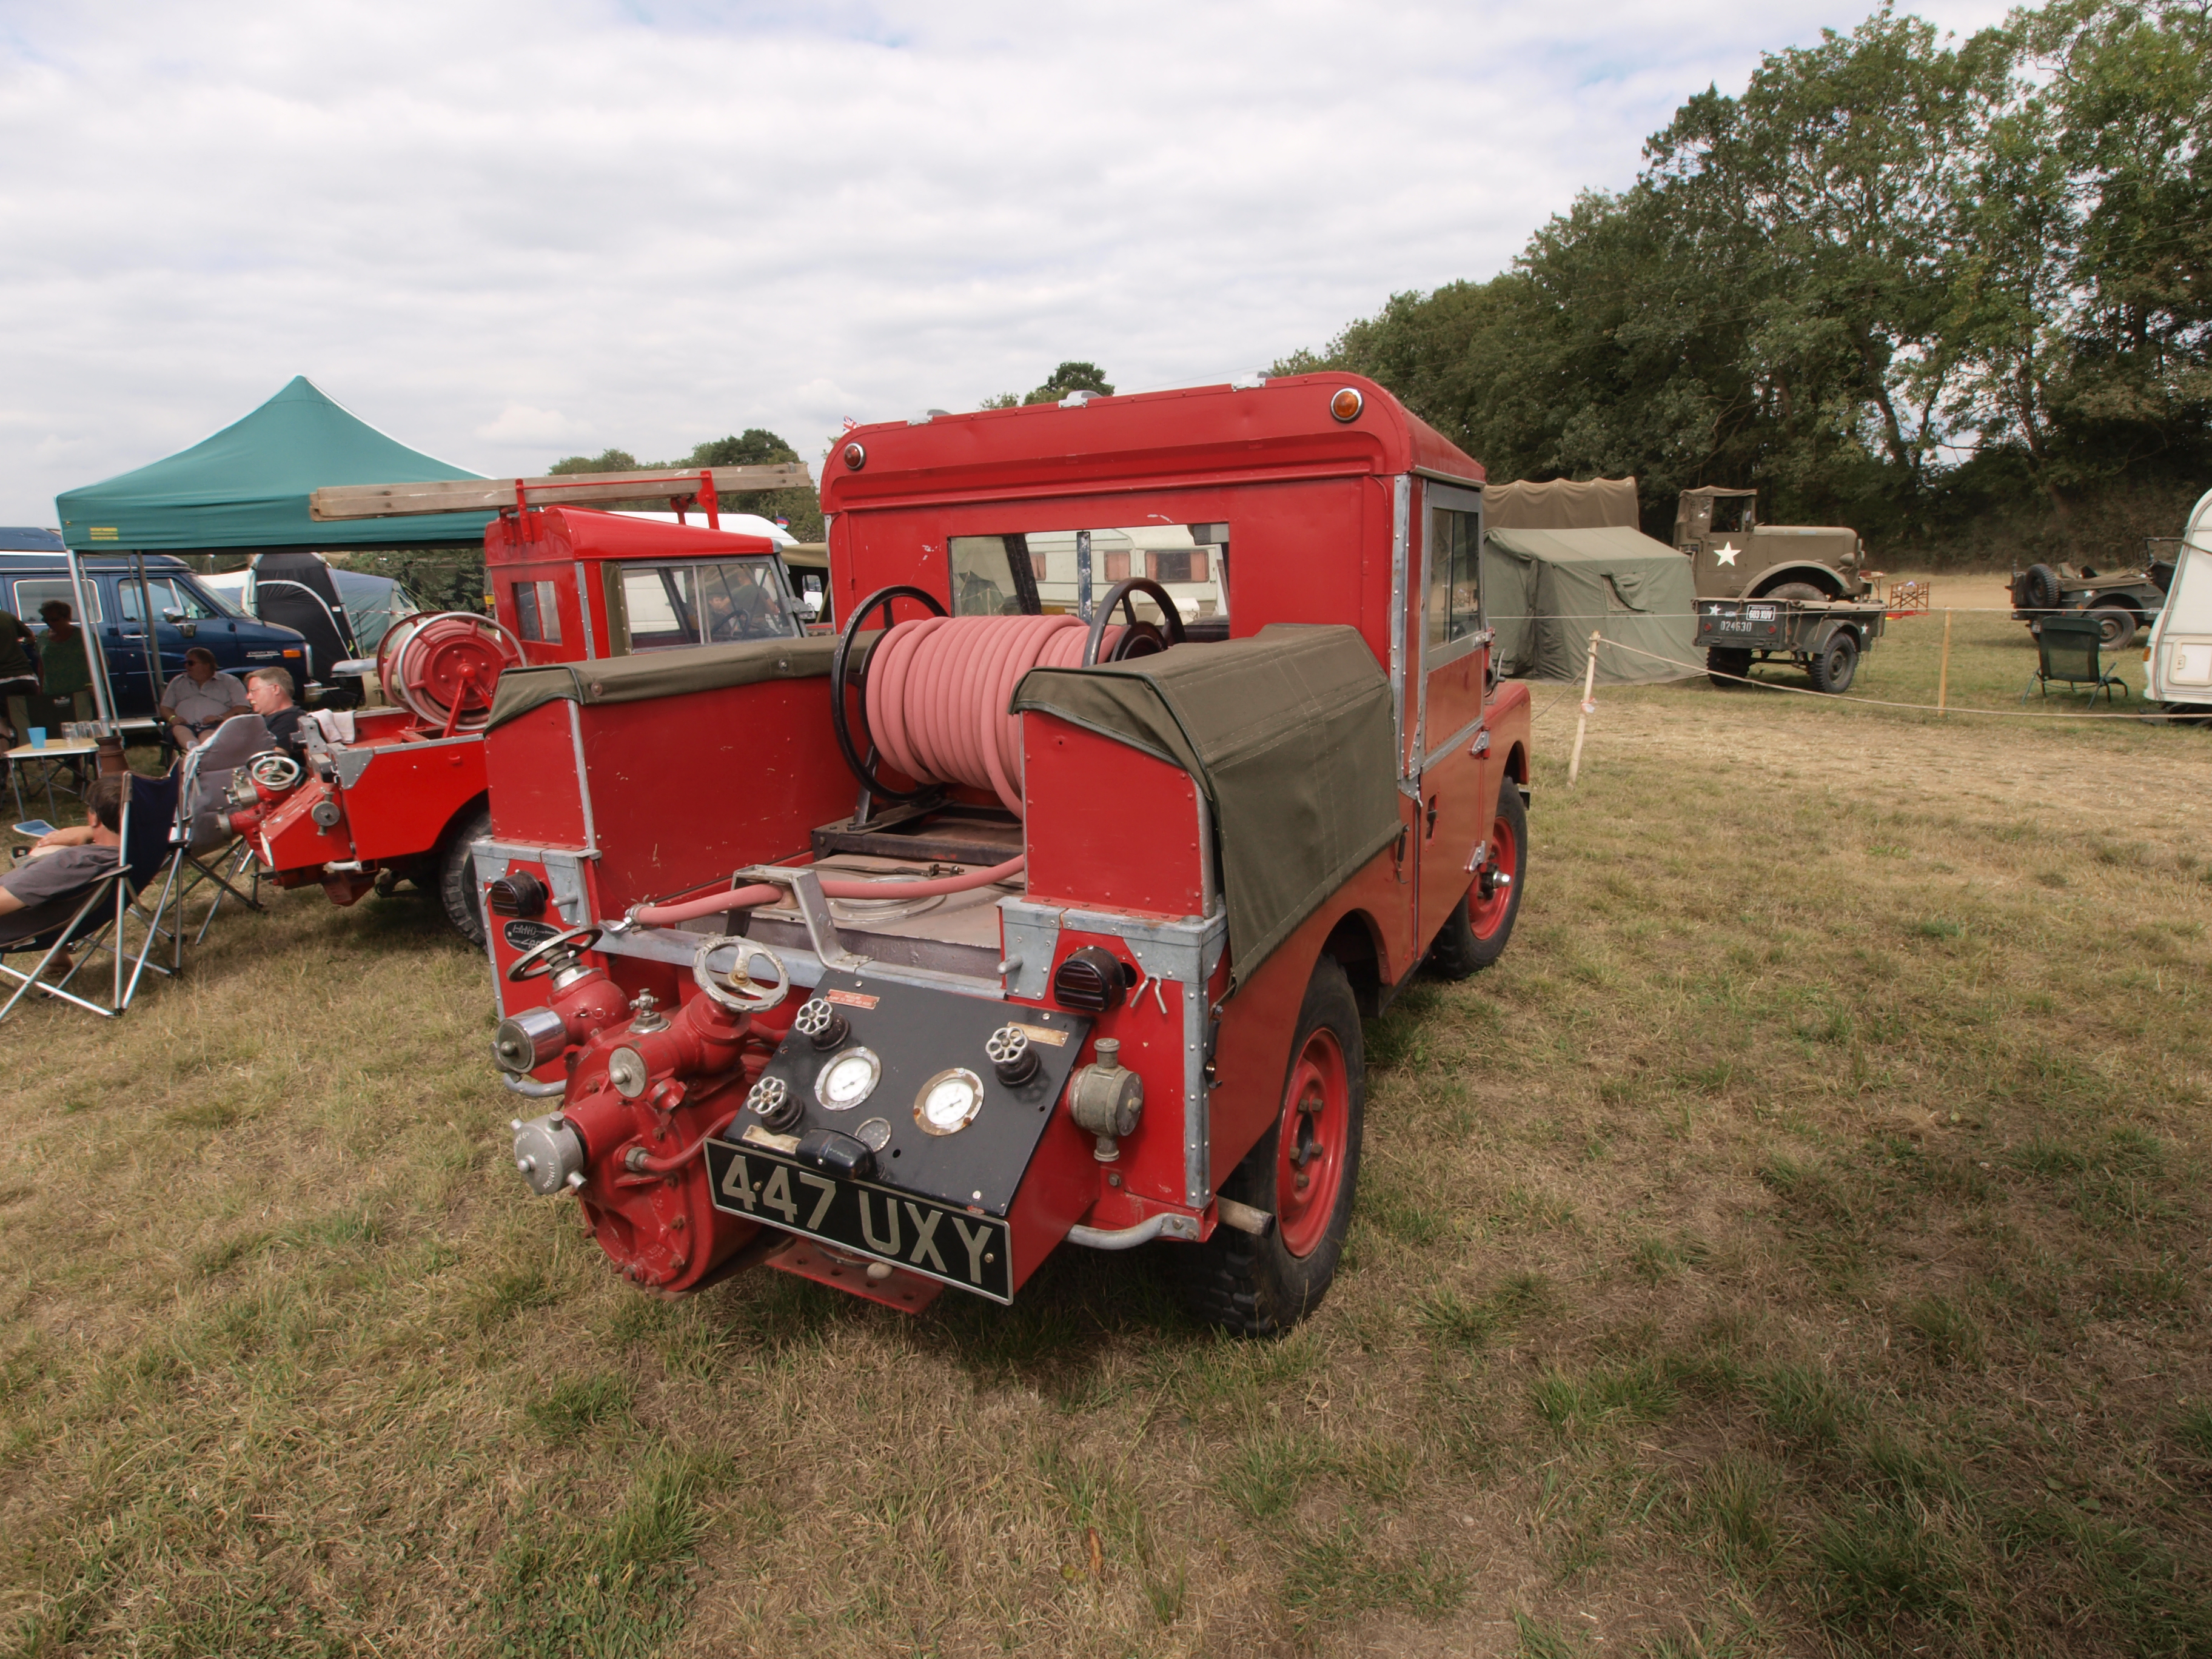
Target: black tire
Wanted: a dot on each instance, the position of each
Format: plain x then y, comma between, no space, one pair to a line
1723,661
1259,1287
2115,627
1460,949
1794,591
456,878
2042,585
1835,664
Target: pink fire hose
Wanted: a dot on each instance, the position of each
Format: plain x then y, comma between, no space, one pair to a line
938,691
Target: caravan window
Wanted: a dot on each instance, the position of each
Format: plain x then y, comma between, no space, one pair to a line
1189,560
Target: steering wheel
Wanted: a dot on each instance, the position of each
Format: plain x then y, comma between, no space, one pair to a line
537,961
1139,633
736,998
274,770
839,679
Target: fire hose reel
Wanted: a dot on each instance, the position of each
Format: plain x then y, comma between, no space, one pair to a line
442,667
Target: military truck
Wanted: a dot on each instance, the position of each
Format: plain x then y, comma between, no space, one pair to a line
1798,591
2124,602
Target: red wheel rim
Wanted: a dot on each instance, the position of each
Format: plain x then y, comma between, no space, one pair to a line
1492,895
1310,1149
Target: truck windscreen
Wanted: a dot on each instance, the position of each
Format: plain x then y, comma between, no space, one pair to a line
666,606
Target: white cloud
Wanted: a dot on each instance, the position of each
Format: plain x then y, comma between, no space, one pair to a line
518,424
656,223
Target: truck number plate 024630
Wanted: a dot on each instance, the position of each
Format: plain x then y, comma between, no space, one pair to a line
972,1252
1732,625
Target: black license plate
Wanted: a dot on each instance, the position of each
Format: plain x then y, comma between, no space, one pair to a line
972,1252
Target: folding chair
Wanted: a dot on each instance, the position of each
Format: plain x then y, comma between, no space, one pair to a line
149,806
2067,651
200,831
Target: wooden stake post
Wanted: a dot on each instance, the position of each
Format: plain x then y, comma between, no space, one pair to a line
1589,682
1943,674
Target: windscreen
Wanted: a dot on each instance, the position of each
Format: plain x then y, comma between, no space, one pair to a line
671,605
1070,569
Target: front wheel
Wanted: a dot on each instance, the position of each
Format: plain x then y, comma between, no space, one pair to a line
457,874
1474,935
1303,1173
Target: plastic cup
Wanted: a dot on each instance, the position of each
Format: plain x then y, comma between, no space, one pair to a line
38,737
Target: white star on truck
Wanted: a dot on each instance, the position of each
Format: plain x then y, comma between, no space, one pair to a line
1726,554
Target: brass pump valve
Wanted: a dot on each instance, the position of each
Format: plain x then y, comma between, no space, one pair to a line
1106,1099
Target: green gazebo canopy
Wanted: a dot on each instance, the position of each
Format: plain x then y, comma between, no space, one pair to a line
248,486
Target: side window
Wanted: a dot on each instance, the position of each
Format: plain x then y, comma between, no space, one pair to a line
32,592
1455,575
742,599
537,611
659,602
185,601
984,583
160,592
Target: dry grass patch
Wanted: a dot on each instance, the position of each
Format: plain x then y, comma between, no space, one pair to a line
1795,1244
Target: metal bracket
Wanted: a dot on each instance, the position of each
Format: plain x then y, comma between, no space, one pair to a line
564,873
1127,1238
805,885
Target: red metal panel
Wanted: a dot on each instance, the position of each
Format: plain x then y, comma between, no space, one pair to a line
530,765
1108,825
685,789
401,804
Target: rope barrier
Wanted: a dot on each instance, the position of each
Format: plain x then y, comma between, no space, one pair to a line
1690,669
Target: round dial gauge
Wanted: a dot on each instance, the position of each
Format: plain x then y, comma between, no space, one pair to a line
948,1103
847,1079
875,1133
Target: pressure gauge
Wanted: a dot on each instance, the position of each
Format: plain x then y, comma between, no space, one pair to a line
847,1079
948,1103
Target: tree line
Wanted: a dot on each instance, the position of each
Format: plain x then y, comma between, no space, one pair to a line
1956,294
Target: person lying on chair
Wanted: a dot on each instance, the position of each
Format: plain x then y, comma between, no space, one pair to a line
44,891
201,698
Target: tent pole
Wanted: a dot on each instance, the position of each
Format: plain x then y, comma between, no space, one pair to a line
95,657
153,639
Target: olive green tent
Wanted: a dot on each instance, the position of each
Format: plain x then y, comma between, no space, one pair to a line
248,487
1545,591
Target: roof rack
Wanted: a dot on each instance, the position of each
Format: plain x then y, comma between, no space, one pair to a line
702,484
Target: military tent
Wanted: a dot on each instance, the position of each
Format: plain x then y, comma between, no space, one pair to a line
1561,504
1545,591
248,486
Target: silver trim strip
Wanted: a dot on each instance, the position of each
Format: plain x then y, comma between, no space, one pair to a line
584,613
583,781
1465,734
1401,499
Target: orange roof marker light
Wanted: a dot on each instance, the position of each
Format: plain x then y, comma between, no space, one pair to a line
1347,404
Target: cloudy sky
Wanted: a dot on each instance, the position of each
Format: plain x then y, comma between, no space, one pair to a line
508,233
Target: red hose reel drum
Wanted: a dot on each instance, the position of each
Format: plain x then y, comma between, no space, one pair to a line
442,668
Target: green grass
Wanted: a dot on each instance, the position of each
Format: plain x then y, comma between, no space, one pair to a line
1794,1244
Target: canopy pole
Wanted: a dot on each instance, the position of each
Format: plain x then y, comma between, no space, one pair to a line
152,641
95,657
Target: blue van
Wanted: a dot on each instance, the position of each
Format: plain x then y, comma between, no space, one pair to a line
34,568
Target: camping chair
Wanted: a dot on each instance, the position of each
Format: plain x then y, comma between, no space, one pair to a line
150,807
2067,648
200,837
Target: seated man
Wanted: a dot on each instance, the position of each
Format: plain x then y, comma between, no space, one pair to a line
201,698
270,690
46,889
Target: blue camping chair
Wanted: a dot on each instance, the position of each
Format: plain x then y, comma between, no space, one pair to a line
97,926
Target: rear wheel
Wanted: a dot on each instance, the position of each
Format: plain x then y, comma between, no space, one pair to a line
1303,1173
1475,934
1728,665
1794,591
2115,627
1835,664
457,877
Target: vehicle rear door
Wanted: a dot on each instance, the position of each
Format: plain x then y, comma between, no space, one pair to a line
1454,682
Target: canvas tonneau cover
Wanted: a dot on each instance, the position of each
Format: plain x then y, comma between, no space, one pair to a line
667,673
1287,733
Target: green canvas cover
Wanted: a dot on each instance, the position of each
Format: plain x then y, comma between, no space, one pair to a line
1288,734
248,486
1544,590
667,673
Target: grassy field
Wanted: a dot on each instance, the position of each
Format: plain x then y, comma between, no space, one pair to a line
1797,1244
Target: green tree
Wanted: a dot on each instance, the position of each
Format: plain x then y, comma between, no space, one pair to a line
1071,377
607,460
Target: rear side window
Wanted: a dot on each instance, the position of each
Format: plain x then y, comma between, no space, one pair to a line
537,611
32,591
1455,570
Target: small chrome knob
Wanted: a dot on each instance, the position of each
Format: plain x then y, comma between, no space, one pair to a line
771,1101
1012,1056
821,1024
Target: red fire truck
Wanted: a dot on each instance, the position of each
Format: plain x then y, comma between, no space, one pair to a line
1042,903
398,792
